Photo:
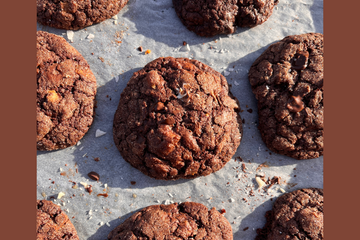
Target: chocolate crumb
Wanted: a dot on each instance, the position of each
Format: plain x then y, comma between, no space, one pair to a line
94,176
265,164
103,194
89,189
243,167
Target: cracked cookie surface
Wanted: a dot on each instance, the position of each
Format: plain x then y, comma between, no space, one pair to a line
295,215
177,119
254,12
52,223
66,90
211,17
76,14
188,220
287,80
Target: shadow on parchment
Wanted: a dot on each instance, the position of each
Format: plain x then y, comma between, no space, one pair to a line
104,230
168,26
317,16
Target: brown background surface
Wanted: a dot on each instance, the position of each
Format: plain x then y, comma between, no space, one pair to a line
18,89
341,120
18,119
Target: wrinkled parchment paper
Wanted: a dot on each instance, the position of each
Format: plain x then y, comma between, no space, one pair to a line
111,50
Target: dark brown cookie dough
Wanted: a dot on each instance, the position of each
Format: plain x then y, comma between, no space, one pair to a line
254,12
176,119
211,17
76,14
66,90
52,223
295,215
188,220
287,80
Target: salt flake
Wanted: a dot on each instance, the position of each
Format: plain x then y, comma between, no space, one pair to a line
90,36
70,35
99,133
226,73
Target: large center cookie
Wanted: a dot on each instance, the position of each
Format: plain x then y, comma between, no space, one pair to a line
52,223
66,90
211,17
188,220
176,119
287,80
76,14
295,215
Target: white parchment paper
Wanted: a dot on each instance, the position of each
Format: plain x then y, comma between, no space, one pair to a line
111,50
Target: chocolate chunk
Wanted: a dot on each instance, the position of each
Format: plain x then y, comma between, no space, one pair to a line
295,104
299,62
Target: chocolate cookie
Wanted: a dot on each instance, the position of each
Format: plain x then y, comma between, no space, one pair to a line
254,12
295,215
66,90
211,17
76,14
52,223
188,220
176,119
287,80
